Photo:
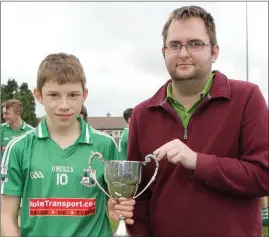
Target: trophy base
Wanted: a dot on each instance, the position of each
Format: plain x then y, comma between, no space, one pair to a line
121,230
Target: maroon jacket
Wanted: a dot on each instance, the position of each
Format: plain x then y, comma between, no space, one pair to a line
229,131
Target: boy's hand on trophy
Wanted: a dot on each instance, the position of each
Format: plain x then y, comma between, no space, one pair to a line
121,206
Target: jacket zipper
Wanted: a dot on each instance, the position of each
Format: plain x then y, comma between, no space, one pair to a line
185,134
185,137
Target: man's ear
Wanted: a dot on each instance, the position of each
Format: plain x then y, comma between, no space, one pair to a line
38,96
215,53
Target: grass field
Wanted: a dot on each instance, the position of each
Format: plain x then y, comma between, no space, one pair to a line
114,225
265,231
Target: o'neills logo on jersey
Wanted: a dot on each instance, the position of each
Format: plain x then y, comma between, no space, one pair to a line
60,168
62,206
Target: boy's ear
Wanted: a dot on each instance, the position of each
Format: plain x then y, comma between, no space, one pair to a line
85,94
163,52
38,96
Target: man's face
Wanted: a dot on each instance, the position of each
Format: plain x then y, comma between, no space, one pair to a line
10,116
186,65
62,103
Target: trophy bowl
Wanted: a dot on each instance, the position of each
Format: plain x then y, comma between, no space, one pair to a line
123,179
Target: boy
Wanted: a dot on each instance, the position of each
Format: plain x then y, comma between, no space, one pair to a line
83,113
123,143
45,166
14,126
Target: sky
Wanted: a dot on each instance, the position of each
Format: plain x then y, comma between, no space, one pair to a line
119,45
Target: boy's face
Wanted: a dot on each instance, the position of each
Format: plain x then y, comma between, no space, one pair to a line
10,116
62,103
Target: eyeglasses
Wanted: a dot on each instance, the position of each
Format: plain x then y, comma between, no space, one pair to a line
190,46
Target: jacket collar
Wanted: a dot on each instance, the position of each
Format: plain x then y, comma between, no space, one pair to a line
220,89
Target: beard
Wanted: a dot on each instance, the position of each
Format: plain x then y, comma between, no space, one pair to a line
189,86
194,82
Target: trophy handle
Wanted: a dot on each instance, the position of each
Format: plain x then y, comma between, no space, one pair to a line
147,160
93,172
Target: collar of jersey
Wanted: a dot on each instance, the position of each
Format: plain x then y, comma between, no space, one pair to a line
22,127
86,133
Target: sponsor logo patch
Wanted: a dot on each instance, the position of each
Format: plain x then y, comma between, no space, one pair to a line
62,206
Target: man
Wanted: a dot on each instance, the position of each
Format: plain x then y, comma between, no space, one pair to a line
83,113
210,135
14,126
123,143
47,167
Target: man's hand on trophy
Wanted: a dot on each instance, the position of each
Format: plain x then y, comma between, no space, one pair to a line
177,153
121,206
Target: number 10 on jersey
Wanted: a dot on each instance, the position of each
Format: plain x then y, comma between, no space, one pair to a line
62,179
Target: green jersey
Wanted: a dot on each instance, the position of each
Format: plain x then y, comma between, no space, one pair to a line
55,201
8,133
123,144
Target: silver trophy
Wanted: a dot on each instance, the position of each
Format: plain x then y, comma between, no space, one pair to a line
122,178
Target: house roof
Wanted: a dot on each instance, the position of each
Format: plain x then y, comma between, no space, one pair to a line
107,123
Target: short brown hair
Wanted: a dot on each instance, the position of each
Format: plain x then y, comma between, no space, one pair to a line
16,105
61,68
83,111
127,114
188,12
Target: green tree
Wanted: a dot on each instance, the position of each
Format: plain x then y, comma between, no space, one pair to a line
12,90
8,90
